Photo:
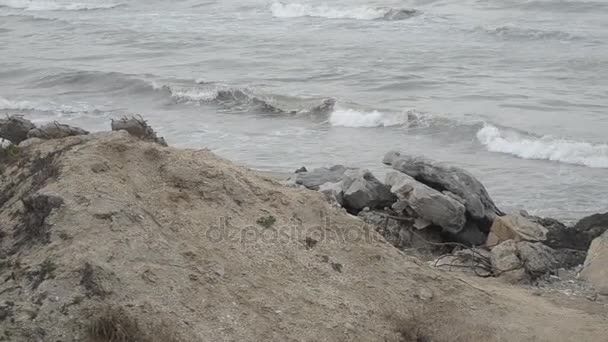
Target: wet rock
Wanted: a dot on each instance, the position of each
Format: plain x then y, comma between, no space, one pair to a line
429,204
302,169
399,14
568,258
561,236
443,177
595,270
593,226
137,127
515,227
15,129
55,130
361,189
317,177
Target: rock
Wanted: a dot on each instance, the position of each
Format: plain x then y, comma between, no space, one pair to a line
561,236
515,227
569,258
333,192
593,226
137,127
595,270
537,258
507,264
15,129
427,203
302,169
444,177
317,177
470,235
55,130
399,14
361,189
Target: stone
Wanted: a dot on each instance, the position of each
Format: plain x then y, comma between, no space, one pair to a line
317,177
443,177
137,127
537,258
333,192
515,227
361,189
55,130
595,269
569,258
15,128
302,169
561,236
429,204
593,226
506,263
470,235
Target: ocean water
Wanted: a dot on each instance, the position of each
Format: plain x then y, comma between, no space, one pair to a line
516,91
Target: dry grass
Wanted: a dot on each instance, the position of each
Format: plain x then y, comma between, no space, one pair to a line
114,324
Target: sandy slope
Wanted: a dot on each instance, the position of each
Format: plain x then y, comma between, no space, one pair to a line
178,236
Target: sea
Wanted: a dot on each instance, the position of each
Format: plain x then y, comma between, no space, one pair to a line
515,91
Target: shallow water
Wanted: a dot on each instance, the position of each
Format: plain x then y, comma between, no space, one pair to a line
515,91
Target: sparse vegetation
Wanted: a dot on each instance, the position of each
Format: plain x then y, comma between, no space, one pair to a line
114,324
266,221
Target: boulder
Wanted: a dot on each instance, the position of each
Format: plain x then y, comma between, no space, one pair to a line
333,193
506,263
15,129
137,127
317,177
443,177
593,226
55,130
361,189
561,236
595,270
515,227
429,204
537,258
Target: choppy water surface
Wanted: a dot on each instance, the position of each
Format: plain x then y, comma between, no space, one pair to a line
514,90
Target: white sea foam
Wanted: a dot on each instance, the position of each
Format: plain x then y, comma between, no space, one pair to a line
355,118
42,5
546,148
188,94
295,10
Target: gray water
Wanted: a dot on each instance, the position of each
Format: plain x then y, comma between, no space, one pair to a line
516,91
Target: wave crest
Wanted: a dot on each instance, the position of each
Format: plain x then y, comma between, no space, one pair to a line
296,10
509,32
544,148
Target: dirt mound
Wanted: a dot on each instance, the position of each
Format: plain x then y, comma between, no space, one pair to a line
108,238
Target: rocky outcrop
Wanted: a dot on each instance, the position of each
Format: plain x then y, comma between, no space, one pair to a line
15,129
595,269
55,130
362,190
137,127
443,177
317,177
515,227
429,204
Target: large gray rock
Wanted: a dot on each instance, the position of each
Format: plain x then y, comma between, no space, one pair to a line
317,177
333,192
595,270
361,189
537,258
427,203
15,129
506,263
450,178
55,130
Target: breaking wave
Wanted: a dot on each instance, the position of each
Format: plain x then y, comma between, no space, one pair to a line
295,10
41,5
356,118
544,148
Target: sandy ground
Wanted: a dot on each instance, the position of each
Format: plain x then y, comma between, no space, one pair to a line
218,252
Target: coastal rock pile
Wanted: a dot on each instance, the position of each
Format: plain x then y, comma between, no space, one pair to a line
443,210
17,129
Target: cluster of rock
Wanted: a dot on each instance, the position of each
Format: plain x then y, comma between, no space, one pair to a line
17,129
440,209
